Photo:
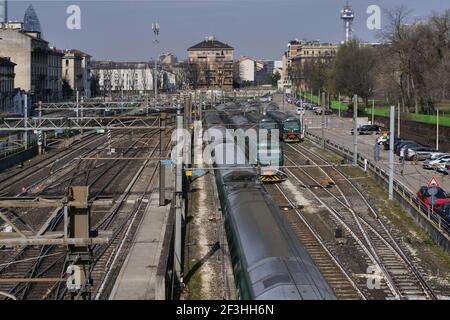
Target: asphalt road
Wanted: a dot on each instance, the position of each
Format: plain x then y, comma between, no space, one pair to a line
338,131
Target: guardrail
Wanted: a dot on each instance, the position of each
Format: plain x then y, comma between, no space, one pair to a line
400,190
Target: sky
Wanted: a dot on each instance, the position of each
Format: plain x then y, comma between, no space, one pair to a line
121,30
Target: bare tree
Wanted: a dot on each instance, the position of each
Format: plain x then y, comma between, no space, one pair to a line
418,53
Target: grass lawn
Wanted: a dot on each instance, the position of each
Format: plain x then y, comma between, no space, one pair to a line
444,116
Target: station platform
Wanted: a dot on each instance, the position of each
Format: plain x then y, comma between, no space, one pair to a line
138,279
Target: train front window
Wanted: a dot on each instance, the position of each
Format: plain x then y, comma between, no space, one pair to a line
292,125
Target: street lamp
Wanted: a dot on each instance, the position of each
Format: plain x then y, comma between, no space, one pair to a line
155,28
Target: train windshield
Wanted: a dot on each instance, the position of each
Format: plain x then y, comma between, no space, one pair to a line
292,125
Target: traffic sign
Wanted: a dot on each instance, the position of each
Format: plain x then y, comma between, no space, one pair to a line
433,183
198,173
166,162
433,191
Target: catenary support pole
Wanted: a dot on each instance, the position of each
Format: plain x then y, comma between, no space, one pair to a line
322,105
355,130
373,111
391,153
437,129
339,106
25,118
178,194
162,167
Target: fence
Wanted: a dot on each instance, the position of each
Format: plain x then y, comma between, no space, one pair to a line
434,225
10,150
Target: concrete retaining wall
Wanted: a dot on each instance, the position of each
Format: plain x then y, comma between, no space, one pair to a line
17,158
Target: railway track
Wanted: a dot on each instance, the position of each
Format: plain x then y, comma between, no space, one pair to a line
52,260
332,270
378,249
47,180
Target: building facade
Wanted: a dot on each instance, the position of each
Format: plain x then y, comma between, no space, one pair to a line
168,59
295,57
247,70
54,74
31,54
72,70
211,64
3,11
135,77
76,70
311,52
6,84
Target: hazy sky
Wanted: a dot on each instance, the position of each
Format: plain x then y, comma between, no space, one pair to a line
121,30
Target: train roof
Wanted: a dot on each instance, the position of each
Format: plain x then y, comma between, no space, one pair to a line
229,155
279,266
212,118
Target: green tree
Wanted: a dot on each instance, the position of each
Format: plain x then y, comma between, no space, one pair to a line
275,77
352,71
66,89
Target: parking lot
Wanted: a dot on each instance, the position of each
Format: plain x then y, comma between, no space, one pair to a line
338,130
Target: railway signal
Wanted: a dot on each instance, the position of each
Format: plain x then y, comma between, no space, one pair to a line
109,140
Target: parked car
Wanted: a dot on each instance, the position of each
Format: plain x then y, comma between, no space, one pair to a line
382,139
435,155
443,167
320,110
368,129
431,164
444,212
300,110
406,146
398,146
424,196
387,142
399,143
418,153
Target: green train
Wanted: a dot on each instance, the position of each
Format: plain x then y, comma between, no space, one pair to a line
270,156
290,127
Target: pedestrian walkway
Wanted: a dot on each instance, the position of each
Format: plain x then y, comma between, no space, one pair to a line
138,279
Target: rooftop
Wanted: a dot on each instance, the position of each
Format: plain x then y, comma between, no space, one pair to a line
210,43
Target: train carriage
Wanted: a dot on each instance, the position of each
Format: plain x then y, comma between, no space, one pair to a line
290,127
269,262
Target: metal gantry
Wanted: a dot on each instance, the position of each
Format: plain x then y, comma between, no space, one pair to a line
79,123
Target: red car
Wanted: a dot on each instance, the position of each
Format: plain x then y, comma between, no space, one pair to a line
424,196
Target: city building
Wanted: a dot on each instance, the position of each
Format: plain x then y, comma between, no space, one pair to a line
278,67
76,70
135,77
31,21
31,54
6,84
311,51
211,64
72,70
264,71
3,11
284,83
54,74
168,59
295,57
247,70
